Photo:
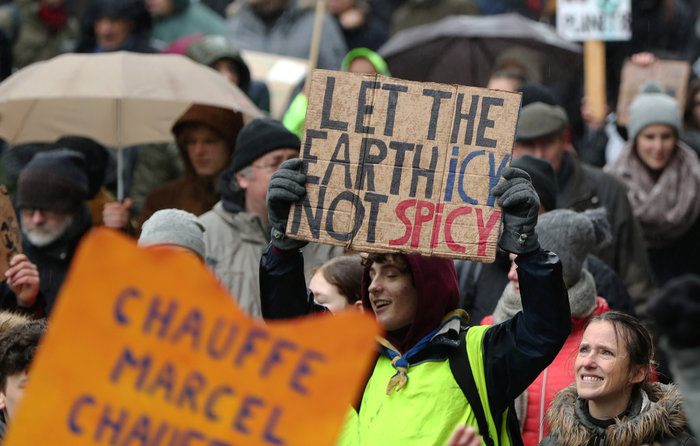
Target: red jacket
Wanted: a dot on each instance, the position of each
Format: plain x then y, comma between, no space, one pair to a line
554,378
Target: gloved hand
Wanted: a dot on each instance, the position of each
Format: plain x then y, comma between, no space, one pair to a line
286,187
520,203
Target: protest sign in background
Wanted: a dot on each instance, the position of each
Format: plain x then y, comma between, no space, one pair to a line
10,237
145,348
395,165
606,20
671,75
281,74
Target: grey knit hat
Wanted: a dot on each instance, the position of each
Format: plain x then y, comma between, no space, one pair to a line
652,106
538,120
572,236
173,227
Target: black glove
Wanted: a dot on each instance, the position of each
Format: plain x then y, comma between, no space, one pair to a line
521,205
286,187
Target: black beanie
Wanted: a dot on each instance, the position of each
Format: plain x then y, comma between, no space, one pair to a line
96,160
676,310
543,179
261,136
56,180
535,92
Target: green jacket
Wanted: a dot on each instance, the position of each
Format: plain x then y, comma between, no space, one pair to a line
193,18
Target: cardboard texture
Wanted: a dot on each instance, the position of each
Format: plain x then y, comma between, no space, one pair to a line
144,347
402,166
672,75
10,236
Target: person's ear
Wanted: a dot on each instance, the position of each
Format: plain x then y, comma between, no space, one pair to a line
638,374
358,306
242,181
2,400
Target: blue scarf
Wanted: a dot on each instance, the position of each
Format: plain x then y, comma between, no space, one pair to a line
402,362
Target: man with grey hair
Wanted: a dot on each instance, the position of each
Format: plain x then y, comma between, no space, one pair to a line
52,190
238,228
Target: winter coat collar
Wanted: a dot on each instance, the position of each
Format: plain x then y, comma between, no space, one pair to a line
655,413
232,201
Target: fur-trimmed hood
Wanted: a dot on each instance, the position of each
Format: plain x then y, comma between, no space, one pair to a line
656,414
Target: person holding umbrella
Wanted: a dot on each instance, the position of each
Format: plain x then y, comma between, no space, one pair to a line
206,138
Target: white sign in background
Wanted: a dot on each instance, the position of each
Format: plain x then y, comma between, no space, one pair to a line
606,20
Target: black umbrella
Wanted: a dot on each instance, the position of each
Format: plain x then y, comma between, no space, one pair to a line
462,49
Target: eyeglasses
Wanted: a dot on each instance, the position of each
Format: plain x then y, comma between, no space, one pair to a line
29,212
271,166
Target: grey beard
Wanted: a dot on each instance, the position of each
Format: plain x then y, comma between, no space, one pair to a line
41,238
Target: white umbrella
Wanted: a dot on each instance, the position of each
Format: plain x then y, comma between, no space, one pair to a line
118,99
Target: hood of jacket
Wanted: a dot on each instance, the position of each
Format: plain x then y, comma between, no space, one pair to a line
437,291
656,412
375,59
232,200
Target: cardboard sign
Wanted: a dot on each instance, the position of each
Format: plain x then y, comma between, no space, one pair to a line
10,236
402,166
145,348
281,74
672,75
605,20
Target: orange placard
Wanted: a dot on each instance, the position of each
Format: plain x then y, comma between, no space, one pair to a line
145,348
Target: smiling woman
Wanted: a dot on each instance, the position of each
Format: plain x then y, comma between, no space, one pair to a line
612,401
662,175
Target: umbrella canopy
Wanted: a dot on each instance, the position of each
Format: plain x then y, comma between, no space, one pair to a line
118,99
462,49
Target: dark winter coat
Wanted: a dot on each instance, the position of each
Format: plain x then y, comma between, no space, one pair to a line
584,187
481,285
655,418
53,260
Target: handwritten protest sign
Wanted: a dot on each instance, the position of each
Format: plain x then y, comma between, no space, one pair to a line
145,348
10,238
395,165
581,20
672,75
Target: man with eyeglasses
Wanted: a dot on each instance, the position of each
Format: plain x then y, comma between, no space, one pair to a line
52,190
237,229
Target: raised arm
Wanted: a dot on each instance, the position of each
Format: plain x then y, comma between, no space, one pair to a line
283,291
517,350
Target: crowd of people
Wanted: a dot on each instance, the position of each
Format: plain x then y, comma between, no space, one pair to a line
584,330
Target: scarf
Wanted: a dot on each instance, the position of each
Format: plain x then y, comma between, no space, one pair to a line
402,362
582,299
53,18
665,208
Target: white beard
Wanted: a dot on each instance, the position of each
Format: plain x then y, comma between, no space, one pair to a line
41,237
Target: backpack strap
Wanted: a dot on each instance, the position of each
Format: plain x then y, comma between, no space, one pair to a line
462,372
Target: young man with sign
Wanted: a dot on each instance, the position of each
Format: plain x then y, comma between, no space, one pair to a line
432,372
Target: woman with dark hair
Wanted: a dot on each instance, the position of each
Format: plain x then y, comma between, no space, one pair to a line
612,401
337,283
